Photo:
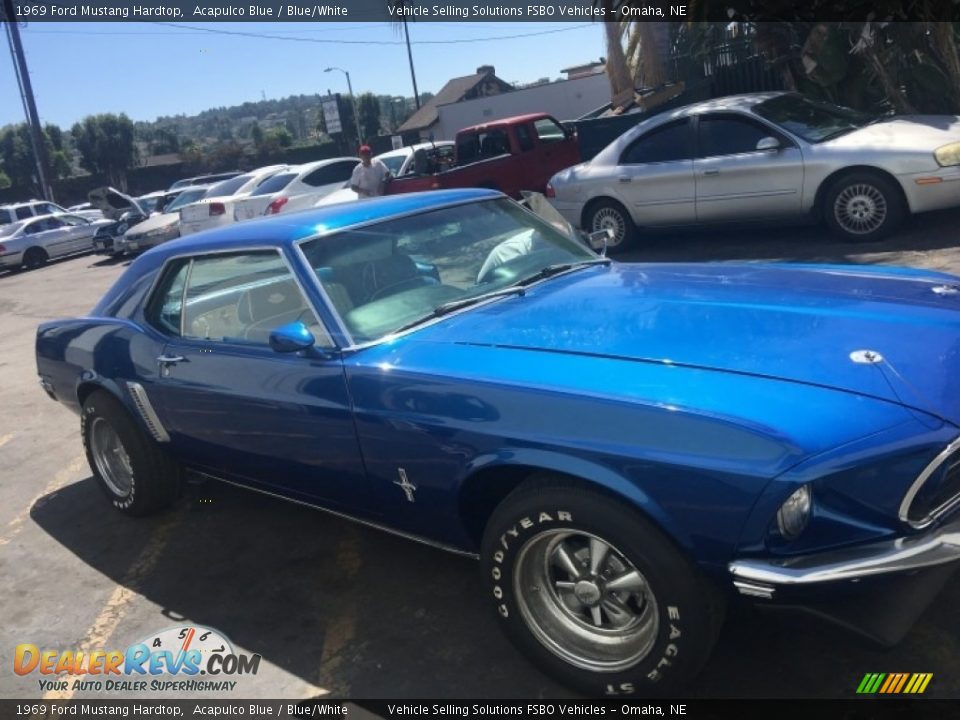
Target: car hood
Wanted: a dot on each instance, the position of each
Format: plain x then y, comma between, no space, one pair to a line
904,132
154,222
817,325
113,203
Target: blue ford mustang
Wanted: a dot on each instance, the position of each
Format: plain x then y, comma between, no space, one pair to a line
626,447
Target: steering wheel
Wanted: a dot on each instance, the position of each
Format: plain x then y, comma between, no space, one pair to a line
409,283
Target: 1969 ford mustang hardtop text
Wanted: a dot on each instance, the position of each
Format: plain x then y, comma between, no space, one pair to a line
626,447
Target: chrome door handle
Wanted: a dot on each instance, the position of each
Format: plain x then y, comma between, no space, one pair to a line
711,172
168,359
623,179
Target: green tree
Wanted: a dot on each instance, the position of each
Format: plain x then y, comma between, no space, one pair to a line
4,181
106,145
280,136
256,133
16,155
368,111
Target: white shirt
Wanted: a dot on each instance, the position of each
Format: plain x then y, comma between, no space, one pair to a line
370,179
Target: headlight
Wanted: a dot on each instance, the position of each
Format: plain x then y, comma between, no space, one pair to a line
793,515
948,155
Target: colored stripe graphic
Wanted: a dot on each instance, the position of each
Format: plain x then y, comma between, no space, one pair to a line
894,683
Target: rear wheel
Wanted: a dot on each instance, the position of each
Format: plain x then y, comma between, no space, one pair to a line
35,258
611,215
131,469
594,594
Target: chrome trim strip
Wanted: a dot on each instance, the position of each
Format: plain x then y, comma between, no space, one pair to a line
754,589
147,413
938,547
904,511
345,516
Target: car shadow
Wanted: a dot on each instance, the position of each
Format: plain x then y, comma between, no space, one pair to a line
795,243
363,613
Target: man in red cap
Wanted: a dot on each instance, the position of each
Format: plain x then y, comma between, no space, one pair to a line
370,176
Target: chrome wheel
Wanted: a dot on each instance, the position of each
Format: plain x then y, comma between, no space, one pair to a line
110,457
584,601
609,218
860,209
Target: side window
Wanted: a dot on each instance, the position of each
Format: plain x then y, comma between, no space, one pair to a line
23,212
165,308
728,135
664,144
243,298
548,131
329,174
524,137
47,209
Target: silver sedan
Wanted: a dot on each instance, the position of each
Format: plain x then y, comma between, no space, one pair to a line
765,156
30,243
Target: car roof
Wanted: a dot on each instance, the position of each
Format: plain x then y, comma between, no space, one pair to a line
288,229
730,102
314,164
514,120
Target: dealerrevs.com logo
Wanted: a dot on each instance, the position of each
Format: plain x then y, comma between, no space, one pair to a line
184,659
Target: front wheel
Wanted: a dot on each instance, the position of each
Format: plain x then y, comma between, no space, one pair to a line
594,594
863,207
130,468
611,215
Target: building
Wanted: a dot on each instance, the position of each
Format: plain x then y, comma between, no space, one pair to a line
423,124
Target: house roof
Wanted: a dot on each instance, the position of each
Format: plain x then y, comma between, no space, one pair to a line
452,92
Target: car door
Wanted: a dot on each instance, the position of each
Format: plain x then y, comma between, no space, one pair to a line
654,177
51,234
737,181
79,231
556,150
232,405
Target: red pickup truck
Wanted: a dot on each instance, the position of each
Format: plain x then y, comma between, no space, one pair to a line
510,155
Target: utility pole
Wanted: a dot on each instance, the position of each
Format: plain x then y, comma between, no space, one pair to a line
413,75
26,93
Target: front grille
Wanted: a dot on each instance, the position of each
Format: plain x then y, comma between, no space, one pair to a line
937,491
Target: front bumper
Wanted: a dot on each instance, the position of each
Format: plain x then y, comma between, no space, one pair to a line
935,190
879,589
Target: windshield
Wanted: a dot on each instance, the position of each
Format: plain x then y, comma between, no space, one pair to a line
393,163
185,198
813,121
383,277
228,187
275,184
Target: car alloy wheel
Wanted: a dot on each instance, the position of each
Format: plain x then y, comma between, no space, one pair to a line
609,218
585,601
860,209
110,457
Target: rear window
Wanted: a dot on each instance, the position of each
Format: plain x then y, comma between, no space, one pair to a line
228,187
185,198
275,184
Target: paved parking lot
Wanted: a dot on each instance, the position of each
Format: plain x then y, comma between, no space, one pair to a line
336,608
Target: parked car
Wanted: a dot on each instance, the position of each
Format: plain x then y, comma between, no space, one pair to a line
217,206
626,447
766,156
511,155
157,200
122,211
203,179
12,212
31,243
162,226
296,188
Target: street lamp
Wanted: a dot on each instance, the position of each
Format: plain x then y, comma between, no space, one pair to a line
353,102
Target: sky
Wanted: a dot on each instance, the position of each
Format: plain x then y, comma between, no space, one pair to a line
147,70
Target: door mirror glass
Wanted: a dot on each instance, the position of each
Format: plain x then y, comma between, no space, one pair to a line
768,143
291,338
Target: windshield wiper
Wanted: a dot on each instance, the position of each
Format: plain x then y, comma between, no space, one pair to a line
556,269
449,307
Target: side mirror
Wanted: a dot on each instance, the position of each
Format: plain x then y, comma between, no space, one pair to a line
291,337
599,239
768,143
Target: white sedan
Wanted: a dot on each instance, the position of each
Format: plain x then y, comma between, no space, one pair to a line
768,157
297,188
216,208
30,243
